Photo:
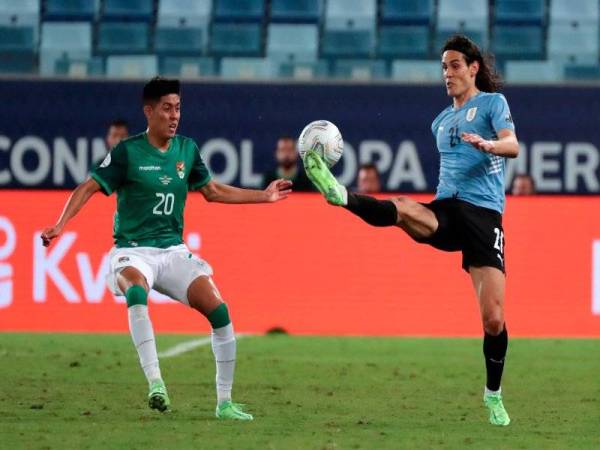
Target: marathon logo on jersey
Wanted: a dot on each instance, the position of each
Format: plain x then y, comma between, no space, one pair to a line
165,179
180,166
148,168
471,113
123,259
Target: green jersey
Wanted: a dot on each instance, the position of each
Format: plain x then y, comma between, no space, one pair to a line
151,188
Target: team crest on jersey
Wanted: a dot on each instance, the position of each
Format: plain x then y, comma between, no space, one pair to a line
180,166
471,113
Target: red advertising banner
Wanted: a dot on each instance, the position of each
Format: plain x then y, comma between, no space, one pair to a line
306,267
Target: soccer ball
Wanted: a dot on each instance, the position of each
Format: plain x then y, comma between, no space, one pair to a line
323,137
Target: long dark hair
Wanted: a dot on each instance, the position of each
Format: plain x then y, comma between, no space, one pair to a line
487,79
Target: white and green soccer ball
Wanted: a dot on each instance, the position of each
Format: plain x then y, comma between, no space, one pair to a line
323,137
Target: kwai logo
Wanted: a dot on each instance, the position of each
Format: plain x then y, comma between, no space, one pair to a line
6,269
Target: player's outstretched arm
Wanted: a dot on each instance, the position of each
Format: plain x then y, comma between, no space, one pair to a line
506,145
78,198
214,191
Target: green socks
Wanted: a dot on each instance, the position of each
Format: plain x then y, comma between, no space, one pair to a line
219,317
136,295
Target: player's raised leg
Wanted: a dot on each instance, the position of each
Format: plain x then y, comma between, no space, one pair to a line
204,296
134,285
489,283
417,220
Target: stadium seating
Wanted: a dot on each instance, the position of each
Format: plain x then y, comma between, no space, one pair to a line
64,40
235,39
417,71
573,42
518,42
360,70
565,12
453,15
400,41
179,41
478,36
533,71
17,38
19,12
582,72
121,37
187,67
290,11
303,70
124,10
132,66
407,12
248,68
239,10
17,49
348,43
351,15
193,13
70,10
293,42
532,12
76,67
303,39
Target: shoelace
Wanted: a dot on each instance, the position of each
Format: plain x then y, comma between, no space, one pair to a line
497,406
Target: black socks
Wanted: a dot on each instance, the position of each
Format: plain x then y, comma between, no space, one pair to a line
494,350
379,213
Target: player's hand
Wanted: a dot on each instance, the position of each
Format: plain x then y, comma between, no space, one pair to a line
278,190
50,233
478,142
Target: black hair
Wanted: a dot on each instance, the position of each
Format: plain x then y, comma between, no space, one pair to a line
159,86
368,166
119,123
487,79
525,176
286,137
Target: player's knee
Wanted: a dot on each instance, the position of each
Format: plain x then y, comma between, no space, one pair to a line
136,295
219,317
493,324
402,206
411,213
127,278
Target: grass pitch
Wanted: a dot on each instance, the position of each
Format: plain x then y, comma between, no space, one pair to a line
88,392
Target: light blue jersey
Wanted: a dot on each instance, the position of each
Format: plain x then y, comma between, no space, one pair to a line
467,173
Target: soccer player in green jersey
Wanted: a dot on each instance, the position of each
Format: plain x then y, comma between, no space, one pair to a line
151,174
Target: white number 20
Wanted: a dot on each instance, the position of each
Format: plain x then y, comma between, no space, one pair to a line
165,204
499,244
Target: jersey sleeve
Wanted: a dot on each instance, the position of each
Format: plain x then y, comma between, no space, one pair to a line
111,172
434,127
199,175
500,114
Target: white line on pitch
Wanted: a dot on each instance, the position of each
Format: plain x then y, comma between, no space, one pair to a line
184,347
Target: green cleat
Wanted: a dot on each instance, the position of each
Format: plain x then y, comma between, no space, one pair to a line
498,415
158,397
323,179
232,411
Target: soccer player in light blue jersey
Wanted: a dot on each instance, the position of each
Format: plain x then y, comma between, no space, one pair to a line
474,136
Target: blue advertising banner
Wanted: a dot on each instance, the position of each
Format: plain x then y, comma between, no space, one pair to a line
51,132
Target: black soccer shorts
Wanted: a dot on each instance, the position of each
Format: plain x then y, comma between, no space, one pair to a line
474,230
